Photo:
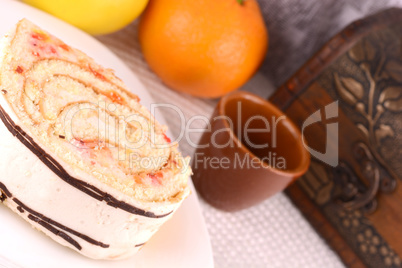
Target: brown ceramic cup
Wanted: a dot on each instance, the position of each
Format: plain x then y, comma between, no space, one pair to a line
250,152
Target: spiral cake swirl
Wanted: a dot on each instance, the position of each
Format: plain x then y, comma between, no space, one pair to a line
86,141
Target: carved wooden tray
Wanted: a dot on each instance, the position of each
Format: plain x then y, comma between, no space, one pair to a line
355,203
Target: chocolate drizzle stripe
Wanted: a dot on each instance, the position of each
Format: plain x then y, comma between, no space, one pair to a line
50,224
140,245
63,227
55,231
53,165
4,189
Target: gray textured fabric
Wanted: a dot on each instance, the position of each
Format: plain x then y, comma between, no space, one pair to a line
297,29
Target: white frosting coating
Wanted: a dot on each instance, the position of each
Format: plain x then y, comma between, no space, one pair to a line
33,183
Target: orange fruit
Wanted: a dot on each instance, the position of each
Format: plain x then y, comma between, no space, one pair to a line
206,48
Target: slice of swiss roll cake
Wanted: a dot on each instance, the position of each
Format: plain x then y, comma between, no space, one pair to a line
81,159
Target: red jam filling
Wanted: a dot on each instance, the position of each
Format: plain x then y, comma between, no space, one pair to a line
19,69
39,36
65,47
114,97
166,138
97,74
156,177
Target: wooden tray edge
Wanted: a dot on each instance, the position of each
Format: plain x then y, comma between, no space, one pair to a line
290,90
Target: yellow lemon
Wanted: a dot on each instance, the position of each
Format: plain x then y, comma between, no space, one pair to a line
93,16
